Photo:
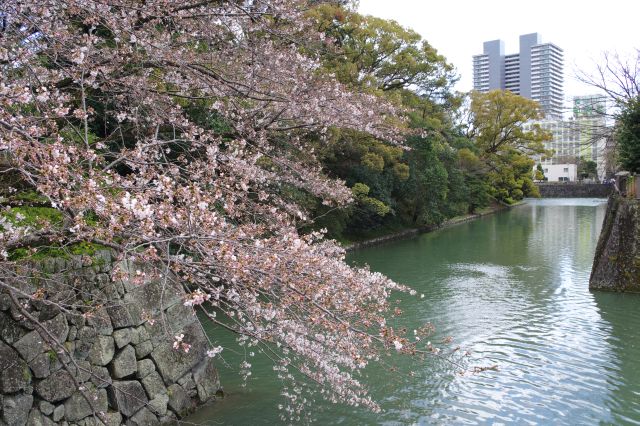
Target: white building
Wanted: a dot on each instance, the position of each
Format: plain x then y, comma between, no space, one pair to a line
560,172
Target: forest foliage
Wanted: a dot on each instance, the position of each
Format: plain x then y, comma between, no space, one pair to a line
448,166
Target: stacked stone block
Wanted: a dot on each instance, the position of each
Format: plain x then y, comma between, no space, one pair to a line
616,264
115,362
574,190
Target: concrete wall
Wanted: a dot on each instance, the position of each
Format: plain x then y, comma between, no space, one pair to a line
616,265
574,190
108,355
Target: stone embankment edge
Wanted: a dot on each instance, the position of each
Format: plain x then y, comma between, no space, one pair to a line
616,264
104,362
409,233
574,190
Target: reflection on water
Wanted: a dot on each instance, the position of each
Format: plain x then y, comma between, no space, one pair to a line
512,289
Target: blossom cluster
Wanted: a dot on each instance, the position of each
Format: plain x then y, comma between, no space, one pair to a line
169,133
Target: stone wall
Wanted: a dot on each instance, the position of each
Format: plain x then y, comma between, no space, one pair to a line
109,359
574,190
616,266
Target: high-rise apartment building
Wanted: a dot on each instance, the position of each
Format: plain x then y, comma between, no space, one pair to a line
536,72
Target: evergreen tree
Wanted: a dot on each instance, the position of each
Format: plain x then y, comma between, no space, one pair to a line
628,136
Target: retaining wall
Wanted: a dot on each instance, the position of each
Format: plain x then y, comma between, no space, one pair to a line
107,357
409,233
616,265
574,190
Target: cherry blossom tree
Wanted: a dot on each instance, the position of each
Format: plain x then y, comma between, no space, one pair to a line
170,131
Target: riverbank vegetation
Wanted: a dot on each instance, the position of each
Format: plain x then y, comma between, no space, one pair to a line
462,153
214,141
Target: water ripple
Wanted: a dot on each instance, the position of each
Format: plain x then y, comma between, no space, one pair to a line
512,290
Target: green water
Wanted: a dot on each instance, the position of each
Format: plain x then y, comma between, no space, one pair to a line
512,290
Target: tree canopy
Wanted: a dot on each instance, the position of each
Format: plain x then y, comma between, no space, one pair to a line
506,142
498,123
628,136
381,54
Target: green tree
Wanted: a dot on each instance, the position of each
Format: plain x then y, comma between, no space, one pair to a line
423,196
587,169
505,143
363,162
420,186
372,205
380,54
539,173
628,136
498,123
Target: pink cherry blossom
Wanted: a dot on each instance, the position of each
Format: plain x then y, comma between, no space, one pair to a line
177,127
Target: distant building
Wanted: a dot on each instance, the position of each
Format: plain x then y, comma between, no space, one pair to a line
590,112
560,172
589,106
536,72
581,138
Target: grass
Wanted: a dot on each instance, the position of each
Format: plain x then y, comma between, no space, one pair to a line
30,197
39,253
34,217
43,217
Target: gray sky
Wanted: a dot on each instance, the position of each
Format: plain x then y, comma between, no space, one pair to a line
457,28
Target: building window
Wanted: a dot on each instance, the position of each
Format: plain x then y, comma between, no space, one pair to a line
566,170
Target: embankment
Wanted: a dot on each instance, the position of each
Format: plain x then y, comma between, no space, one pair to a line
616,265
94,345
574,190
408,233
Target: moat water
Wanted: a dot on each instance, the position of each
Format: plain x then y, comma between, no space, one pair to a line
512,291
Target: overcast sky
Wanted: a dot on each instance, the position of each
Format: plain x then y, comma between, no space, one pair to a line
457,28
